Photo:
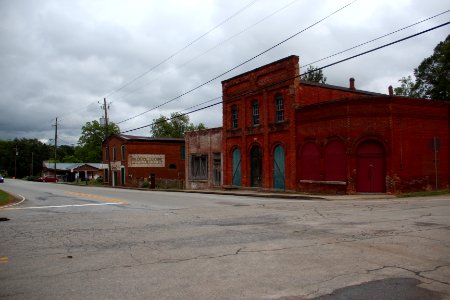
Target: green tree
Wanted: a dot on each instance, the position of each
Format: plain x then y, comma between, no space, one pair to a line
90,141
174,127
314,75
406,88
433,73
26,161
432,76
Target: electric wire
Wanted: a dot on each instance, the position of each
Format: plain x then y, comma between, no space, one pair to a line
181,49
375,39
241,64
129,93
354,47
298,76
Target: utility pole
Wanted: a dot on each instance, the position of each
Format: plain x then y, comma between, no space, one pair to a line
15,163
56,145
32,160
105,107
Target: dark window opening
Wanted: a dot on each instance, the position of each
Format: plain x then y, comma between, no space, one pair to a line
279,102
183,152
123,152
255,114
172,166
199,167
234,117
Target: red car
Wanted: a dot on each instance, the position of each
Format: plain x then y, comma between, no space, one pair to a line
48,179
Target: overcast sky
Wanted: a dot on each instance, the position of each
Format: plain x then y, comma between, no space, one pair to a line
59,58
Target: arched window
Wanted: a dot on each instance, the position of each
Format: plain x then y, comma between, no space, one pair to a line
310,162
234,117
335,161
255,113
279,107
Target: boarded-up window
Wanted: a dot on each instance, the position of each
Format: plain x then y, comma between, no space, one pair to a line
310,162
199,167
335,161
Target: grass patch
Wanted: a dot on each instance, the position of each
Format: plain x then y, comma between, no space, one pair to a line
425,194
5,198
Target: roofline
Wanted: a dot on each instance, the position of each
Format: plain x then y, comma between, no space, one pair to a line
259,68
336,87
135,138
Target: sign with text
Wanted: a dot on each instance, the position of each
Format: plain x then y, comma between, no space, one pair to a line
115,165
146,160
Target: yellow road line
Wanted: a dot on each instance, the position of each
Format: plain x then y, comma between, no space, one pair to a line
100,198
4,259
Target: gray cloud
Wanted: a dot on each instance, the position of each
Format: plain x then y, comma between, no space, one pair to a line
59,58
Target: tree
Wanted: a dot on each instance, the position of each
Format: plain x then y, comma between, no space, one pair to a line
432,76
90,141
433,73
26,161
406,88
174,127
314,75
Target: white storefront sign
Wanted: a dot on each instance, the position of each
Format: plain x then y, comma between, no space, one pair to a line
115,165
146,160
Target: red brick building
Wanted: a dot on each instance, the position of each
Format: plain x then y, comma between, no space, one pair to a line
283,133
134,160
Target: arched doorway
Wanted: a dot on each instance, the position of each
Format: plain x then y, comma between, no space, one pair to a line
236,168
371,172
278,168
255,166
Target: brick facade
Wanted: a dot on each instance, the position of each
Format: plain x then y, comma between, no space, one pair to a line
204,146
136,158
329,138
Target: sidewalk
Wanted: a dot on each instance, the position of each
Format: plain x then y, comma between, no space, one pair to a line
289,195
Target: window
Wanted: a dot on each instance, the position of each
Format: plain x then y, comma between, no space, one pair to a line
122,150
199,167
279,103
255,114
173,166
182,152
234,117
107,152
114,152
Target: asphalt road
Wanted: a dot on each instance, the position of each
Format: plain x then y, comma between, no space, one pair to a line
67,242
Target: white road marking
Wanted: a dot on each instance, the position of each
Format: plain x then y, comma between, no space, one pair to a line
63,206
14,204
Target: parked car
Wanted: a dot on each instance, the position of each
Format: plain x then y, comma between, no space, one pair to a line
1,178
48,179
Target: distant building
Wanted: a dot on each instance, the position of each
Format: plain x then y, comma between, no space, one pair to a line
134,160
74,171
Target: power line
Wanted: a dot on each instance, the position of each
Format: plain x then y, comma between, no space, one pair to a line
298,76
182,49
375,39
213,48
239,65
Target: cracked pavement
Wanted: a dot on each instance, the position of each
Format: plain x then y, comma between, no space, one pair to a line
172,245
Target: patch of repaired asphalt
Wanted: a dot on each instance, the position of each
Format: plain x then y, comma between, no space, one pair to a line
386,289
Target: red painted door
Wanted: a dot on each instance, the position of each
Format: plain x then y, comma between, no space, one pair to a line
371,168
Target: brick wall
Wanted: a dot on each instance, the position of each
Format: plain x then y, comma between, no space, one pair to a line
171,149
204,142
